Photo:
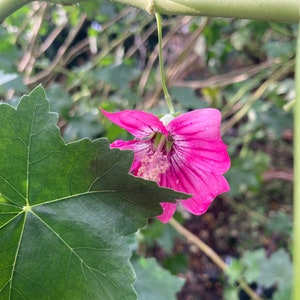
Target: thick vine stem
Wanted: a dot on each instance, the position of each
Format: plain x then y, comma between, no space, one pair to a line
8,7
266,10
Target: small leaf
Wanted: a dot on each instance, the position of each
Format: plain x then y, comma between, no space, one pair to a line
234,271
276,269
251,261
67,209
155,283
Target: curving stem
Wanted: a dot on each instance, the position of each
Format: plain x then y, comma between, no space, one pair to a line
266,10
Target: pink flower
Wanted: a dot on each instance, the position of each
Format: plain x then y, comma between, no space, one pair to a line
185,153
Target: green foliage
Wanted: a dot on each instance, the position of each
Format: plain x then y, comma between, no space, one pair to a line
280,222
275,270
245,172
118,78
267,272
162,234
251,261
67,210
153,282
187,98
8,53
111,62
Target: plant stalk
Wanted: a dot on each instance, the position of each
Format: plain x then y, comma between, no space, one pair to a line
265,10
296,233
161,64
8,7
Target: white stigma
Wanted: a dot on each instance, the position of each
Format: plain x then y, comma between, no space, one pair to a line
166,119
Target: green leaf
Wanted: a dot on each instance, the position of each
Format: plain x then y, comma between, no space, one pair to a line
280,222
118,77
234,271
276,269
231,293
187,98
245,172
284,294
155,283
251,261
162,234
67,209
85,125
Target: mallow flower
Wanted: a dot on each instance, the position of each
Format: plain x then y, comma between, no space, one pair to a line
185,153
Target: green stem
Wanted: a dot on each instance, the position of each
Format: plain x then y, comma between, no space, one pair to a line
8,7
161,64
296,233
266,10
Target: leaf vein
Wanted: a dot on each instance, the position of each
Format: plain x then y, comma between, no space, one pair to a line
107,171
15,189
64,242
16,257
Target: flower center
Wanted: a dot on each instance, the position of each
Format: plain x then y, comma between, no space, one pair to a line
153,165
156,161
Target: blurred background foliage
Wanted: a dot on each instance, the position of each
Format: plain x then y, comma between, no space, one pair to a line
105,54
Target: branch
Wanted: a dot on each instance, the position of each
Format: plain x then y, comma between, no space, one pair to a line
266,10
8,7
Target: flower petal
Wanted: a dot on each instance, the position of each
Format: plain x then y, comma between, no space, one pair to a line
200,124
168,211
197,138
140,124
209,186
204,186
208,156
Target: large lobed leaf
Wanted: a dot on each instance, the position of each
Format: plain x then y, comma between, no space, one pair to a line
65,210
